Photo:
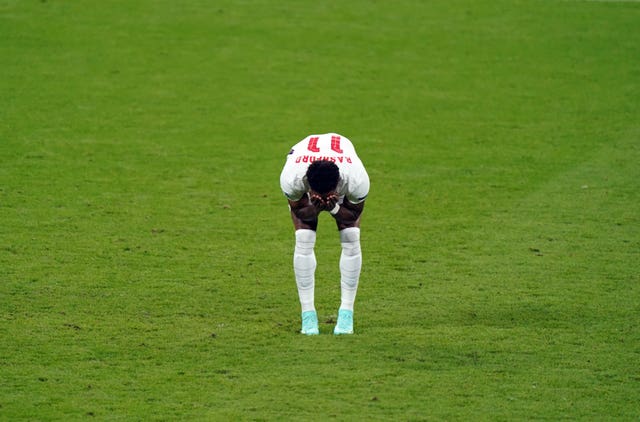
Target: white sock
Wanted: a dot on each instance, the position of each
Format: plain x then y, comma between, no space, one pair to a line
304,267
350,266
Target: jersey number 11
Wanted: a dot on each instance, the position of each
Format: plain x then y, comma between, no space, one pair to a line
335,144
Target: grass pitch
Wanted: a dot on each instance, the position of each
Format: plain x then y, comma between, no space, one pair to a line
145,248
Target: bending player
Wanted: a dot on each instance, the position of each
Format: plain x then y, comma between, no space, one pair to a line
324,173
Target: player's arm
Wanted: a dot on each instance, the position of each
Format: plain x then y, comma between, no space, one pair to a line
304,213
348,214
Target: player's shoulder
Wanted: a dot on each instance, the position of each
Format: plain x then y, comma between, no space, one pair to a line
292,182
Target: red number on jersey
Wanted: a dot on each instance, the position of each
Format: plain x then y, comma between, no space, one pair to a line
313,144
335,144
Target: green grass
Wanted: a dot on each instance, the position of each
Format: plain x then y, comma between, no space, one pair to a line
145,247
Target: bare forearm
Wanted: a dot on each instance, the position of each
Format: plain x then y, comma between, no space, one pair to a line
346,216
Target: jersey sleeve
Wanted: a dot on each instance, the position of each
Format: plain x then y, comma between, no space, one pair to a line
358,187
292,186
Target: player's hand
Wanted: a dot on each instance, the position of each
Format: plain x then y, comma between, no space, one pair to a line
330,201
318,202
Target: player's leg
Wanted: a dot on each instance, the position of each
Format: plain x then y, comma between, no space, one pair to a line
304,267
350,267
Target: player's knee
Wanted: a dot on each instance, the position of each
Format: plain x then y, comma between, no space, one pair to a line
350,283
350,240
305,241
305,283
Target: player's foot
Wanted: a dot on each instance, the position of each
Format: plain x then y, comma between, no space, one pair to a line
310,323
345,322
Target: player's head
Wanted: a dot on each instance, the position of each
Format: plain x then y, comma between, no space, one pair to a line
323,176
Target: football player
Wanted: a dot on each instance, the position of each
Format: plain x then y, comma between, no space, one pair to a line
323,173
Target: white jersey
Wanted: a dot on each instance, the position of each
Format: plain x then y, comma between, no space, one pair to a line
354,180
